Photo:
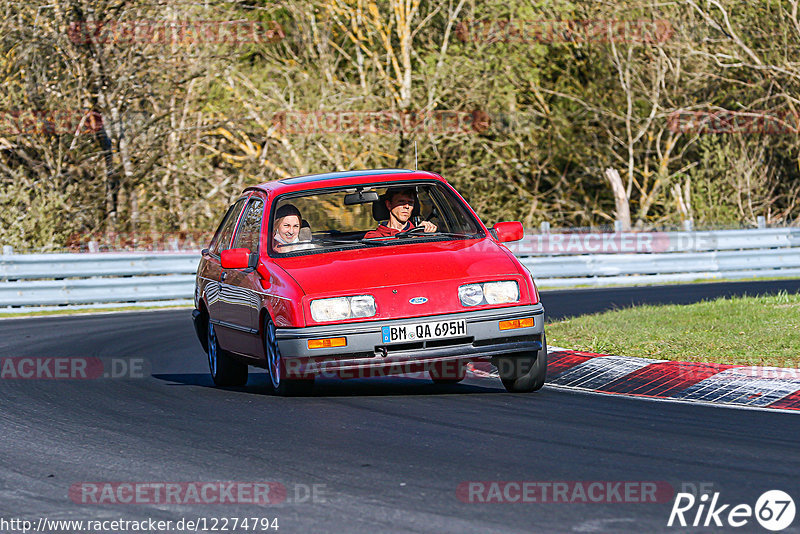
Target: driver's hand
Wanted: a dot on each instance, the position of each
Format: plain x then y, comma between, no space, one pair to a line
428,226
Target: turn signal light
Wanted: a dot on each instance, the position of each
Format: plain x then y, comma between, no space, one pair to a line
516,323
327,343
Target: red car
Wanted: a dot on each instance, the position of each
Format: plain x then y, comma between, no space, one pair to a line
365,273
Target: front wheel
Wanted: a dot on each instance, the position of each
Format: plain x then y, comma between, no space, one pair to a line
279,384
524,374
225,371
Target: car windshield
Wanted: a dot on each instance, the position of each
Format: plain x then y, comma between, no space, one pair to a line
369,216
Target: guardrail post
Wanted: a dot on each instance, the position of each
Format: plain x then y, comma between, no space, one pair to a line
688,225
8,250
93,246
617,227
544,227
762,221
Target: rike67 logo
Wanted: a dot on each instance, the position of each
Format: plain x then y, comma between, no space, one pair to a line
774,510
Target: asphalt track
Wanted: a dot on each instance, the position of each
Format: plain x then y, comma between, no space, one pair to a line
388,454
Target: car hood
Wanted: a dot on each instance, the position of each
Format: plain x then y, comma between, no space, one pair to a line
395,274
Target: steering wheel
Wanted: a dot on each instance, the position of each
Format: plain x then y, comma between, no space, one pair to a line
417,230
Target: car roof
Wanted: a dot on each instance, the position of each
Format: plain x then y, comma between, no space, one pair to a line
343,178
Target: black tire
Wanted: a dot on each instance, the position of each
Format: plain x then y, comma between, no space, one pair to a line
448,372
278,384
225,371
446,380
524,374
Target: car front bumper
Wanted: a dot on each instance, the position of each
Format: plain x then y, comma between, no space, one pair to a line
366,349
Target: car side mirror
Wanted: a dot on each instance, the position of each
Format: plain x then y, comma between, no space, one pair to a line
508,231
235,258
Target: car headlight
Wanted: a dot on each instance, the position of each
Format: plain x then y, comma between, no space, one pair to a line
488,293
339,308
501,292
362,306
470,294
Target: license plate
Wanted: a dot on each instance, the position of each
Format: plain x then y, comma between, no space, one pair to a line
423,331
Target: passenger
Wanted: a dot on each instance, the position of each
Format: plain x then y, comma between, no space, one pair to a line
400,204
287,230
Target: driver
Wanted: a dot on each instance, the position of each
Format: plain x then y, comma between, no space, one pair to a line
400,203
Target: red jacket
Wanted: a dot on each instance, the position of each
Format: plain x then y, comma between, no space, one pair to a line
383,230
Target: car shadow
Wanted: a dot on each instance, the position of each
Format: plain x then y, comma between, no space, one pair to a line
258,384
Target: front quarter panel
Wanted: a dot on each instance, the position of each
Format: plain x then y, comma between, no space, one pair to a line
533,292
282,296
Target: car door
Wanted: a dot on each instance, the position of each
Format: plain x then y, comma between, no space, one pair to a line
240,302
213,271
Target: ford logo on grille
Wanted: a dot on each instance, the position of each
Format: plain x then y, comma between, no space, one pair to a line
418,300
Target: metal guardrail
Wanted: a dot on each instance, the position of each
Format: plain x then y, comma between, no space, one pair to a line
79,279
131,290
586,259
547,244
556,260
632,269
39,266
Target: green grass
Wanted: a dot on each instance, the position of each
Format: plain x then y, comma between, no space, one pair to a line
643,282
763,330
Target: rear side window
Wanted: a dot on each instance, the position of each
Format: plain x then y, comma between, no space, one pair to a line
223,238
249,233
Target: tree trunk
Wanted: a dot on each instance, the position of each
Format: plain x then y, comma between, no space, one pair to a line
623,209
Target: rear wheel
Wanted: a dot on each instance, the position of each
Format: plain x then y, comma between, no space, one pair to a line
280,385
225,371
524,374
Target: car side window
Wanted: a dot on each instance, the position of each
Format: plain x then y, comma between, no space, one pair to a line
223,239
446,210
249,233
